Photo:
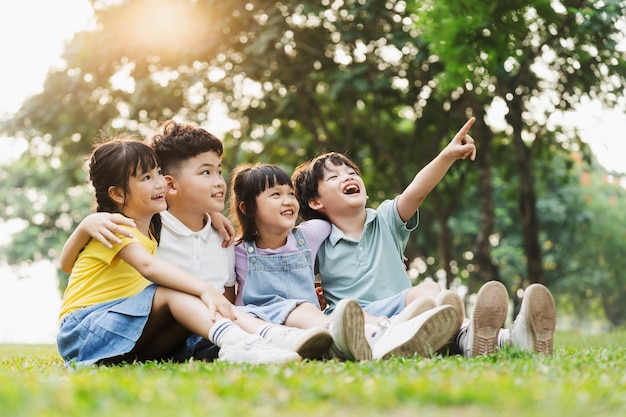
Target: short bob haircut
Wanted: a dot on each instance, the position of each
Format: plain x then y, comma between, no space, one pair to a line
247,182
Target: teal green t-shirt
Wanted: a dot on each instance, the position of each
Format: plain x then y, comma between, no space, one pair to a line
372,268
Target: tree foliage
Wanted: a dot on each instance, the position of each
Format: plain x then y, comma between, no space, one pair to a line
389,82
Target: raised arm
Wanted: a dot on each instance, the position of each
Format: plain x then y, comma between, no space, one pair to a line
461,146
168,275
101,226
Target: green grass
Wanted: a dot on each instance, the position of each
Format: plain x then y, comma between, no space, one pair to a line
585,377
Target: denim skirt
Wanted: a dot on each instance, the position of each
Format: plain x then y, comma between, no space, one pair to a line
106,330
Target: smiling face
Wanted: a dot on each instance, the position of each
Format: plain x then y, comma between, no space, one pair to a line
145,195
197,185
276,210
341,191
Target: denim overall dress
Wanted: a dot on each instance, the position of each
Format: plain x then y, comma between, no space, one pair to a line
277,284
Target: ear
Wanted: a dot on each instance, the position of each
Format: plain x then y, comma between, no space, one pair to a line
242,207
316,204
116,194
171,184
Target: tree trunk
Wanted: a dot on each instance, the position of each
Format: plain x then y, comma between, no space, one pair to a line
527,198
445,237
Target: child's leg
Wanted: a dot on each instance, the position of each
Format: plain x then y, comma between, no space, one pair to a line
163,334
248,322
304,331
170,307
305,316
427,289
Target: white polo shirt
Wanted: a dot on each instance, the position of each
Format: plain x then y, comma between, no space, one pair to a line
199,253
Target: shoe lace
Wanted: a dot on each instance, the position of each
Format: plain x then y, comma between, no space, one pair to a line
384,324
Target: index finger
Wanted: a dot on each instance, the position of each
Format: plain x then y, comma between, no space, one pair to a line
466,127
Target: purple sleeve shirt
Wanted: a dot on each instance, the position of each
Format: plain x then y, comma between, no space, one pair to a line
315,232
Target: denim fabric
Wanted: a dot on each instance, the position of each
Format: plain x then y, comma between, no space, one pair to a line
106,330
387,307
277,284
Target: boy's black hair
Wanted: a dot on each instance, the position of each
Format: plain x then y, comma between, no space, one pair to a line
176,142
307,175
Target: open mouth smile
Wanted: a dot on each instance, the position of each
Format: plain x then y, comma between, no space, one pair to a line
351,189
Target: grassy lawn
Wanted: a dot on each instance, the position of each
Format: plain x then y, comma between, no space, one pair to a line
585,377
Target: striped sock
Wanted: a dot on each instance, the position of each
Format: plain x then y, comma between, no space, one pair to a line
219,330
265,330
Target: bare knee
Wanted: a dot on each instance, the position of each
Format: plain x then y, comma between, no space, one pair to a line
427,289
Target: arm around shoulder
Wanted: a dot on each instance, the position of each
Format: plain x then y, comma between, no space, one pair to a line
101,226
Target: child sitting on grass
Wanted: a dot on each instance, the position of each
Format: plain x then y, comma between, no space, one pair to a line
363,256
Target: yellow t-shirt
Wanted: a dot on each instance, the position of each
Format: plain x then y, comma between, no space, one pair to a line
99,275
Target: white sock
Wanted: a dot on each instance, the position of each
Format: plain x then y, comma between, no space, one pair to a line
460,342
504,337
272,329
224,331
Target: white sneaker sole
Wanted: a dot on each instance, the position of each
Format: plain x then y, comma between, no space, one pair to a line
490,310
451,298
438,327
541,315
417,307
353,331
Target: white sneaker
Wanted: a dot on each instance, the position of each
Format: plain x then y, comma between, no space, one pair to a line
452,298
312,343
414,309
347,329
533,328
256,350
422,335
490,310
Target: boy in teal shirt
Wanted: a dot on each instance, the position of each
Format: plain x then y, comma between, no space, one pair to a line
363,256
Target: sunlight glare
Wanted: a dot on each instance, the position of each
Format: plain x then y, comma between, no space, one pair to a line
160,27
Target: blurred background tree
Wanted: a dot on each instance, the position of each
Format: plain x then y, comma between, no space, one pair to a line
388,82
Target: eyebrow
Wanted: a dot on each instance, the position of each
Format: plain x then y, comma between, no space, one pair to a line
209,165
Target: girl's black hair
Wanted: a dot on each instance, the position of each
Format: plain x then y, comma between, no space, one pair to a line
112,163
247,182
